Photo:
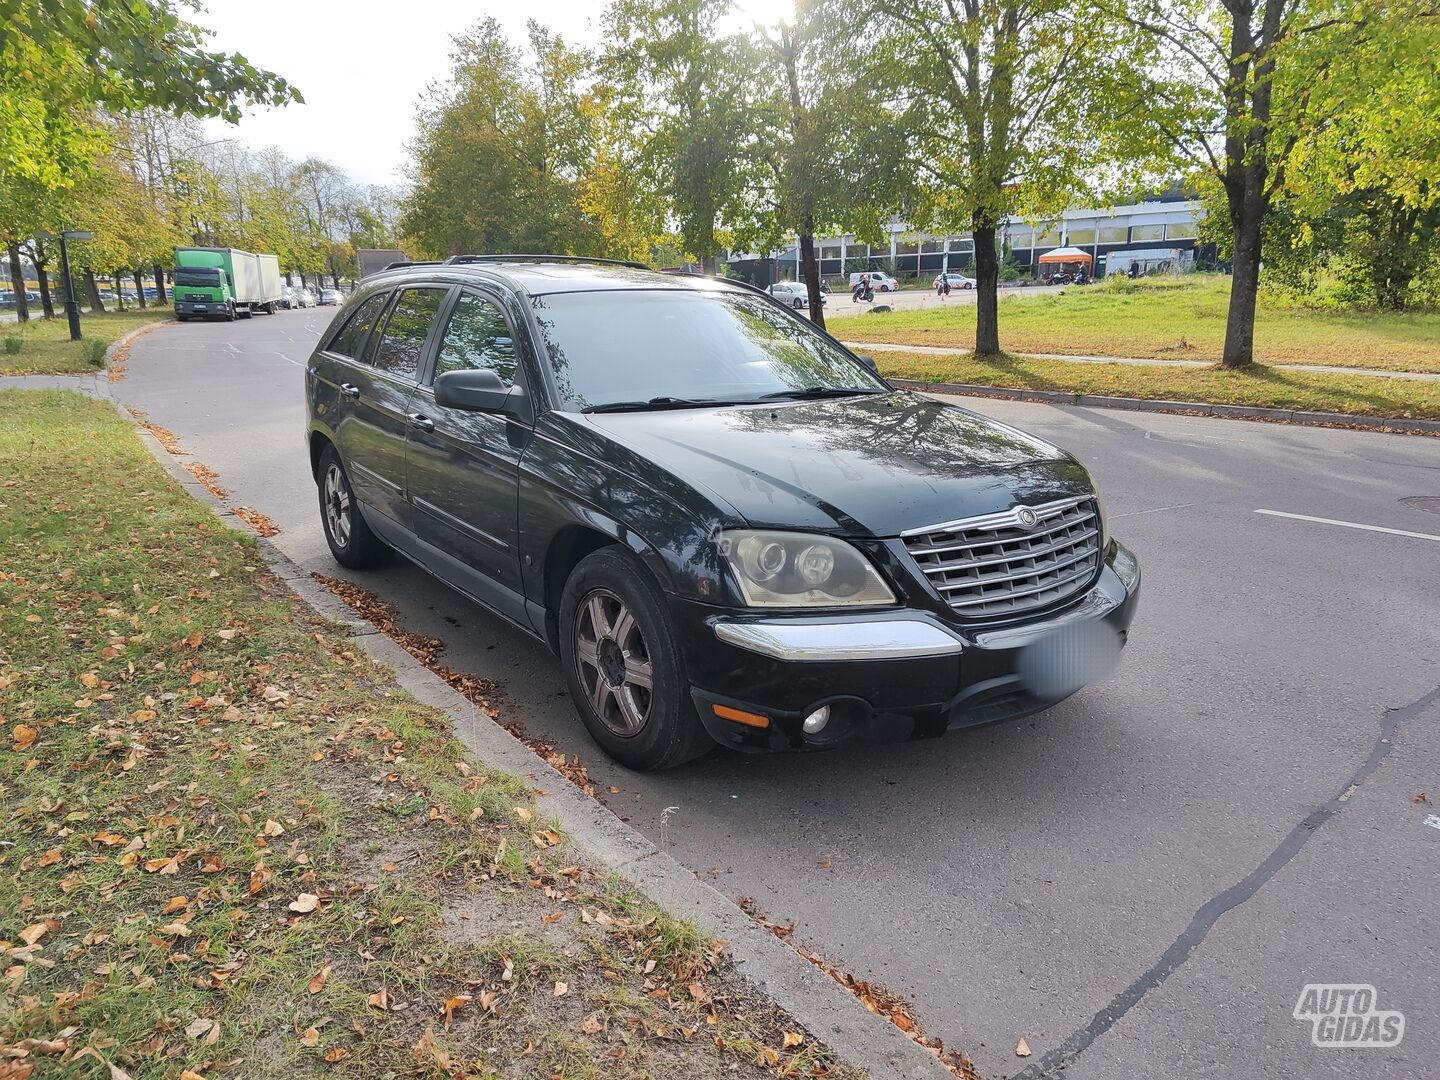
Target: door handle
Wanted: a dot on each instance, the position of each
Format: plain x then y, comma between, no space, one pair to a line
419,420
350,390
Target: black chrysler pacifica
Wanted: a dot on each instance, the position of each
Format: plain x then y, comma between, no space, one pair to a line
729,528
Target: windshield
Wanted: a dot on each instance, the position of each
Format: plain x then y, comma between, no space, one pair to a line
196,275
634,345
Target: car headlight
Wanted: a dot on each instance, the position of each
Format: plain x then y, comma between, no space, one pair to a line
785,569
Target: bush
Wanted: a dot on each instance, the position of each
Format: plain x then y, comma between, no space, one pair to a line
93,350
14,344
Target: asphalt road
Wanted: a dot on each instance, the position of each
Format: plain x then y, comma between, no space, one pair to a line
1139,881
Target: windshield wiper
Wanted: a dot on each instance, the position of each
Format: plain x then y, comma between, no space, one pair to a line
819,392
652,403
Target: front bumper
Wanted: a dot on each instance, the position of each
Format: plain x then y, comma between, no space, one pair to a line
889,675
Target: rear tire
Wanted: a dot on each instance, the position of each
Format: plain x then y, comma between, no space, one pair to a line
623,666
351,542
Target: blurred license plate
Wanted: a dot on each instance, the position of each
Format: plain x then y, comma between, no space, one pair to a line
1067,657
199,307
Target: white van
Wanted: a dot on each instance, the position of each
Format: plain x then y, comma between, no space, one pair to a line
879,280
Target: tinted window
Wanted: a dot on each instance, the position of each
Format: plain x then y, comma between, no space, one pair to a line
632,345
352,338
406,330
477,337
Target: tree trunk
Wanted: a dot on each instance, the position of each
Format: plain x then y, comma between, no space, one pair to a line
810,269
96,304
17,283
160,297
47,303
119,290
1239,350
987,285
140,289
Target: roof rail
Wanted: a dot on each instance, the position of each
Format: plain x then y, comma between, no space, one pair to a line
460,260
411,262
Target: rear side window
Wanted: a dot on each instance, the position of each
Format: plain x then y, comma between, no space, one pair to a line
406,330
353,335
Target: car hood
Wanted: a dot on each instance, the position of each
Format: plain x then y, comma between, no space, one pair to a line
862,466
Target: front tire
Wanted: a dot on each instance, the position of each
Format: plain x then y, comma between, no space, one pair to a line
351,542
623,666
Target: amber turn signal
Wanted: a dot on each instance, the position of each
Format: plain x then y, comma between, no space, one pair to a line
740,716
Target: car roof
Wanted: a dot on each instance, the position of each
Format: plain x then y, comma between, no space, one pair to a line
542,277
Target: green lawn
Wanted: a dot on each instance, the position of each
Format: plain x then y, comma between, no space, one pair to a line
1180,318
46,348
1266,387
233,848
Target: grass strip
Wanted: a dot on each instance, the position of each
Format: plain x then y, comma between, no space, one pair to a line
1259,386
45,348
1165,318
231,847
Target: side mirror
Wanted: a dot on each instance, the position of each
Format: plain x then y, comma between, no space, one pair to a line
868,361
476,390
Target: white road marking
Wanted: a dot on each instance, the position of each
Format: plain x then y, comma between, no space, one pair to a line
1156,510
1352,525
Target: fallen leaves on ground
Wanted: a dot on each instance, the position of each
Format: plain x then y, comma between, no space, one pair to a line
256,520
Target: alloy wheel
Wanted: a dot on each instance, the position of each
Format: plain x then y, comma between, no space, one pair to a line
613,662
337,505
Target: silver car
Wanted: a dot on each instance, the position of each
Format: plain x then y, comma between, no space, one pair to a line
792,294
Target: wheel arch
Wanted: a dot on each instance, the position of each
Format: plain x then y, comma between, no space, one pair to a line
574,542
319,440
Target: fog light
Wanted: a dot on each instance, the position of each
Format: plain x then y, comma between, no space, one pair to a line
816,721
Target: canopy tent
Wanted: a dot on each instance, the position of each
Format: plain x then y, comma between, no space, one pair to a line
1066,255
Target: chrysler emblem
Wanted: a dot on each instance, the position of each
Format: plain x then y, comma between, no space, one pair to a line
1026,517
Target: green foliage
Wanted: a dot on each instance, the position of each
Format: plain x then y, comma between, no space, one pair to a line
62,59
679,89
93,351
13,344
504,149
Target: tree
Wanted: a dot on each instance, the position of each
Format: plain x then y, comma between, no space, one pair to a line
504,150
1361,194
61,59
1237,89
1007,100
679,88
830,157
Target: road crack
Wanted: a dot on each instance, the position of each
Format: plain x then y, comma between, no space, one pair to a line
1210,912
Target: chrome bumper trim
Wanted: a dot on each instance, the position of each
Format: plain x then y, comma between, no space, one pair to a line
841,639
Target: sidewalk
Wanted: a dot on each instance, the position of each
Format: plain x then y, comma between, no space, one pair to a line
1327,369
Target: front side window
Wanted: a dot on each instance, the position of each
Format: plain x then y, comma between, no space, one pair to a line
610,347
476,337
356,331
406,330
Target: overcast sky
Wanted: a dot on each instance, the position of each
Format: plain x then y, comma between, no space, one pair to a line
362,65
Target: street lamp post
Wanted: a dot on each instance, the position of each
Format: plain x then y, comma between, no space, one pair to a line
72,306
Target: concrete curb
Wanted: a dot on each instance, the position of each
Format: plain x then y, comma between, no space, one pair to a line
834,1016
1188,408
130,335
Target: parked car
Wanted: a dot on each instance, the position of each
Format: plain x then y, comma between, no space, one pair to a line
793,294
729,528
329,297
879,281
957,281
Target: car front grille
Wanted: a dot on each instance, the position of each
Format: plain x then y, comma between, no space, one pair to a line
1000,565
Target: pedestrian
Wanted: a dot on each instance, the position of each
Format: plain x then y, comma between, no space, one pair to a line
944,287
